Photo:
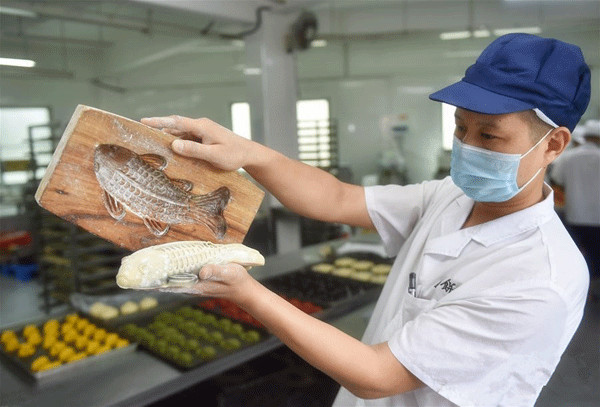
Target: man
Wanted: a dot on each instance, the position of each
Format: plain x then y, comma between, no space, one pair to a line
499,285
578,172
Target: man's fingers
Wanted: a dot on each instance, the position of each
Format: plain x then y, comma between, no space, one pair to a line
190,148
180,123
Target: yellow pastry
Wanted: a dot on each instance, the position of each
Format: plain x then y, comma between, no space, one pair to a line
57,348
72,318
66,353
121,343
26,350
50,365
12,344
30,330
8,334
92,347
381,269
111,339
99,335
81,342
77,356
39,362
70,336
82,324
89,330
102,349
49,341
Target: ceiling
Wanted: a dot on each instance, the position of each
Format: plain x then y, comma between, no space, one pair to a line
33,28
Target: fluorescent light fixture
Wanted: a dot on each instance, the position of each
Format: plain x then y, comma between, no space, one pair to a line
525,30
17,12
481,33
25,63
455,35
318,43
252,71
462,54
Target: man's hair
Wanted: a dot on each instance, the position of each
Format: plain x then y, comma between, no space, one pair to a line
537,127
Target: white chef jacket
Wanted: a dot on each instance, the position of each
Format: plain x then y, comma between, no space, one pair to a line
496,304
578,171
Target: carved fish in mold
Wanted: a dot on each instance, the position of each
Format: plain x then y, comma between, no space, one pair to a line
137,183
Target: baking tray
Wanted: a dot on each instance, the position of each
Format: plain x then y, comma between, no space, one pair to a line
166,302
205,320
66,370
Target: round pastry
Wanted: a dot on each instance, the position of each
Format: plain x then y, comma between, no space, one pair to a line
49,341
362,265
71,318
81,342
26,350
82,324
121,343
30,330
342,272
89,330
345,262
99,334
39,362
103,311
76,357
91,348
323,268
361,275
129,307
378,279
7,335
34,339
57,348
50,365
381,269
12,344
148,302
66,353
111,339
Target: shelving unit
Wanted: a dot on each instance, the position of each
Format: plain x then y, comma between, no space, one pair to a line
70,259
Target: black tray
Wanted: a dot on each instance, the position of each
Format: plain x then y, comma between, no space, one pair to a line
203,335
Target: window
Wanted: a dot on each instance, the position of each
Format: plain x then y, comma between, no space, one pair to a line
15,125
316,135
240,120
317,141
448,124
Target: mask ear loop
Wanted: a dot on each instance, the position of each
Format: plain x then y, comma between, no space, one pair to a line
538,171
537,144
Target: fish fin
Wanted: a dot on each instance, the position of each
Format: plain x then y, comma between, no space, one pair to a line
209,210
114,207
156,227
155,161
184,184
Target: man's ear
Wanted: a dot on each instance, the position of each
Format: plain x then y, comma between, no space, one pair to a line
557,142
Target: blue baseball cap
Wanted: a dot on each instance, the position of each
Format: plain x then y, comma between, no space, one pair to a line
519,72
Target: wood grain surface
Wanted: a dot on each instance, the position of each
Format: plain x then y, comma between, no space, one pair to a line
70,189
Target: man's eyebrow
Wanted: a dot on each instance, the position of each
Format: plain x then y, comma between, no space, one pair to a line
481,123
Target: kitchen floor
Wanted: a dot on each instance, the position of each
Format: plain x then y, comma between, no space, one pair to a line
574,383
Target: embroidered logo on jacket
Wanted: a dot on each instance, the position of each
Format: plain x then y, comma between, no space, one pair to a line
446,285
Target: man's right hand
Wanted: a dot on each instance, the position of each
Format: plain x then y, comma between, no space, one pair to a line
205,140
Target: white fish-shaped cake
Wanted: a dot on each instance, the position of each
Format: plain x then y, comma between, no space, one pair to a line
138,183
157,266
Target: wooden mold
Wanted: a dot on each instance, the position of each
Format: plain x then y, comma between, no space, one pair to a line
71,187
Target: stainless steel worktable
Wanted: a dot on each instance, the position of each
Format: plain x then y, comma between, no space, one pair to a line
138,378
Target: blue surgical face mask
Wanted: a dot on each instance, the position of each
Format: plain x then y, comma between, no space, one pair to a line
487,176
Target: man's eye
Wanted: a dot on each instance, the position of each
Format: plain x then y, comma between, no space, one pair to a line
487,136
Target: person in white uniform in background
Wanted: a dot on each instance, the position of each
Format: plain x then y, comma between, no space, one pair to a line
487,287
578,173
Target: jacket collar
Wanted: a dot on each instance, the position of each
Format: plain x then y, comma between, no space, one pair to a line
453,240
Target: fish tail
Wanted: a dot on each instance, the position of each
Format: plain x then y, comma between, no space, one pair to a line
209,210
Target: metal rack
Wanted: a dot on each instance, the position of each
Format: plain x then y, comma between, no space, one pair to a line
70,259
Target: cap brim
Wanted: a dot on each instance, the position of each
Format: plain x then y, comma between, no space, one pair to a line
471,97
